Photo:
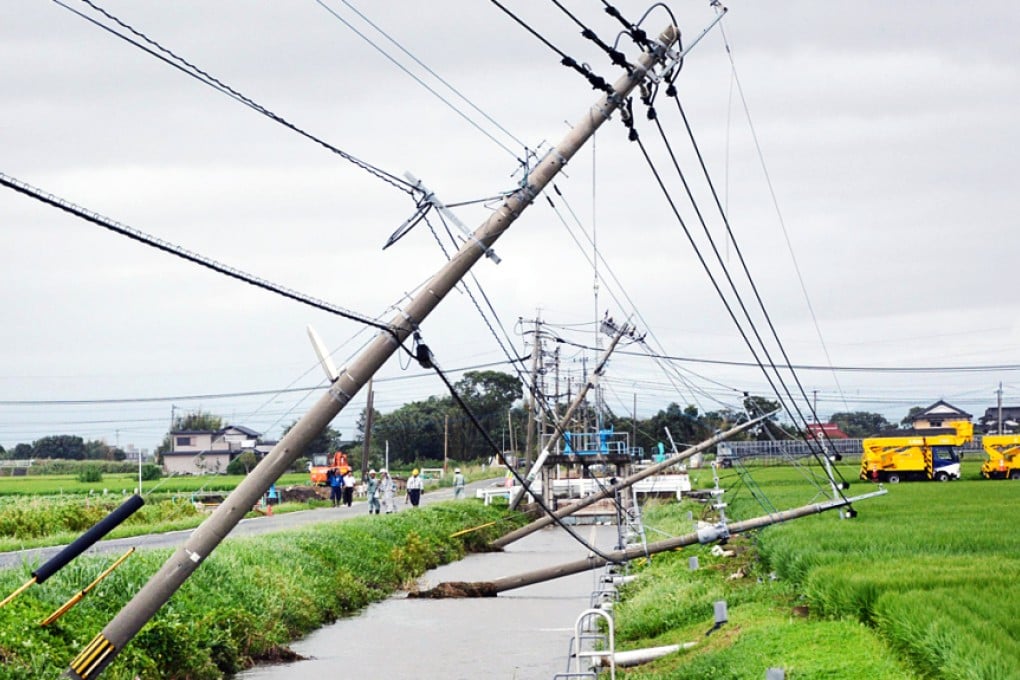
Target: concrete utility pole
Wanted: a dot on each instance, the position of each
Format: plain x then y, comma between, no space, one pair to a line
536,355
998,394
367,444
102,650
611,490
709,534
561,425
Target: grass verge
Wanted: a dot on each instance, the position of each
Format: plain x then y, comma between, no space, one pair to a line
245,603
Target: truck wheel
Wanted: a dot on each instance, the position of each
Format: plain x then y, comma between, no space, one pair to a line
892,478
941,477
1015,474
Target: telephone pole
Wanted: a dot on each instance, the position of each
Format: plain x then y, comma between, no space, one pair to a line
367,444
536,356
104,647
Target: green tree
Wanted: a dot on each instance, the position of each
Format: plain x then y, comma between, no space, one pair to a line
100,450
859,424
197,421
684,425
243,464
489,395
66,446
908,420
23,451
415,430
769,429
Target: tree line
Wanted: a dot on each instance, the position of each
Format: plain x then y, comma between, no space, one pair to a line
64,446
437,427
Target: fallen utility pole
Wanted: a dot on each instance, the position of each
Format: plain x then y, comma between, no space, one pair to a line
610,490
101,651
561,424
708,534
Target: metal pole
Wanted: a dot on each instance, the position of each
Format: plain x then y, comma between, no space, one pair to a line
102,650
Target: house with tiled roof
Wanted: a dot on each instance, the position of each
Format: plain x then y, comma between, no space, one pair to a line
200,452
989,422
938,415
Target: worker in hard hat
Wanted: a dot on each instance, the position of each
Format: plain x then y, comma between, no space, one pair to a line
387,489
458,484
372,491
415,486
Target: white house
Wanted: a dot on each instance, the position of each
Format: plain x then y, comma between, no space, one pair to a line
200,452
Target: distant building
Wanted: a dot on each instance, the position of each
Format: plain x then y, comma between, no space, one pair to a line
827,430
989,422
938,415
199,452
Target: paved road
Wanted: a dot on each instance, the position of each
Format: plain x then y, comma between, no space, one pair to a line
246,527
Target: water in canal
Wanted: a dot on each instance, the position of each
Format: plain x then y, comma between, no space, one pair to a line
522,634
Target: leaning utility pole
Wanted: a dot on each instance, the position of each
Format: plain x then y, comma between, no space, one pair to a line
536,356
611,490
367,444
102,650
560,425
708,534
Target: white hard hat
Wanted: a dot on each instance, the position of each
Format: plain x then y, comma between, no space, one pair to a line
456,469
371,472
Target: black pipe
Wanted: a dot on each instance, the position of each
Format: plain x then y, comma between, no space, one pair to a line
83,542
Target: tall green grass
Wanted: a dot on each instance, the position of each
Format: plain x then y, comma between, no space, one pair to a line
245,603
921,579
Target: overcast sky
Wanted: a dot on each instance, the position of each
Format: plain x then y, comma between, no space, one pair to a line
887,177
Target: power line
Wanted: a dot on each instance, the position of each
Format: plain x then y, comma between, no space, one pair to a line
987,368
420,81
223,395
184,254
186,67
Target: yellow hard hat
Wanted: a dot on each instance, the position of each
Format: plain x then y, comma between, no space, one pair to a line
414,471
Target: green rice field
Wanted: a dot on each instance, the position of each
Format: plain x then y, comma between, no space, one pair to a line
919,585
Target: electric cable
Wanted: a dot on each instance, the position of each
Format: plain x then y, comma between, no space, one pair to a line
726,273
419,80
775,203
596,82
197,73
431,363
184,254
615,56
705,266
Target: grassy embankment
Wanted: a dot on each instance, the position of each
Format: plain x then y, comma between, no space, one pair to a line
46,510
55,509
245,603
918,586
120,483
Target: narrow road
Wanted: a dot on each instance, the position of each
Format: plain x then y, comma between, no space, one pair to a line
246,527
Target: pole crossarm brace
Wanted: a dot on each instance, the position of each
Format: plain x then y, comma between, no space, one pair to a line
101,651
611,490
430,197
561,424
